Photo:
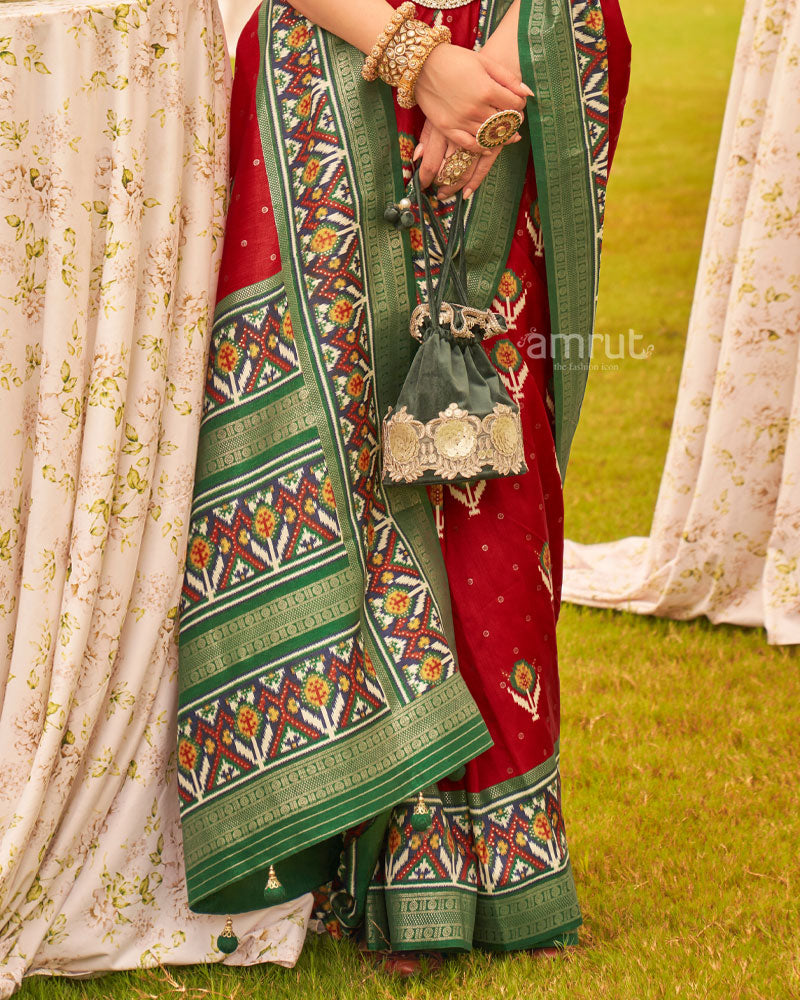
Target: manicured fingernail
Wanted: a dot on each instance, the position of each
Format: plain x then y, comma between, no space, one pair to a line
418,152
527,90
468,192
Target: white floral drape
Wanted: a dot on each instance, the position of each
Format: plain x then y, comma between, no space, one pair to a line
725,539
235,14
113,161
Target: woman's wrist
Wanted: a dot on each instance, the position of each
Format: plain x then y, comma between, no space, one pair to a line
400,52
499,54
501,46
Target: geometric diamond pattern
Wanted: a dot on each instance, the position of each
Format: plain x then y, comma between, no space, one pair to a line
587,19
490,849
250,352
282,711
260,531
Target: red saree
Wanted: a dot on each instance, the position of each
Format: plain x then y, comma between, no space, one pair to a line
493,868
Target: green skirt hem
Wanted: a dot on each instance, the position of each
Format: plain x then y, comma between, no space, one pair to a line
428,918
567,937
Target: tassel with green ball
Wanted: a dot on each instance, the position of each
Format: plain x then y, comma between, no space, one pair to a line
421,817
227,942
273,891
400,215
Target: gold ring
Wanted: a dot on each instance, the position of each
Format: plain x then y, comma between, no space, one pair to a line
454,167
498,128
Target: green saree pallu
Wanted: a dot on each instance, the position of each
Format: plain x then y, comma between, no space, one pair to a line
319,682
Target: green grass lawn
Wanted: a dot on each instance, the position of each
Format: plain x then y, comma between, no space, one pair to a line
680,740
658,197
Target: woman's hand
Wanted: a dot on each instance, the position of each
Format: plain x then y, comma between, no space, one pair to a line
458,89
434,148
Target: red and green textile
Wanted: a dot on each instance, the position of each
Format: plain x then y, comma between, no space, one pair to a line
323,678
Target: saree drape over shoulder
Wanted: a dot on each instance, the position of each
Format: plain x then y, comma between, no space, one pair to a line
346,645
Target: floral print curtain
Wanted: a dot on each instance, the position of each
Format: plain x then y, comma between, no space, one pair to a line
113,176
725,540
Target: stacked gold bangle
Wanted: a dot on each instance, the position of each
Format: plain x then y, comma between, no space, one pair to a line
404,12
405,56
400,51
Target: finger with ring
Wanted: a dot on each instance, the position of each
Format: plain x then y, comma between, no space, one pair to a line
454,167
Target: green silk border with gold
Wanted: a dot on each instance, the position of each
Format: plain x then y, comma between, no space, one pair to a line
563,60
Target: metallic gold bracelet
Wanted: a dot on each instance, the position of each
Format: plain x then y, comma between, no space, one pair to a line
369,71
443,4
405,56
406,92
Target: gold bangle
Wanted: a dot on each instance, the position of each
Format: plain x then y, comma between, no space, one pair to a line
429,39
369,71
400,51
408,43
405,41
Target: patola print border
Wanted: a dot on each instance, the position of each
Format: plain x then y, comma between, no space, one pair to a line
497,871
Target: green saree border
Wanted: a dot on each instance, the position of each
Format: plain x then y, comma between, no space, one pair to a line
282,196
384,251
442,919
492,210
504,923
233,302
457,918
256,430
563,166
316,797
388,268
389,283
241,639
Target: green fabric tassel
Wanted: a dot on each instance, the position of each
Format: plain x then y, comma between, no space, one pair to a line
227,942
421,817
420,821
400,215
273,891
